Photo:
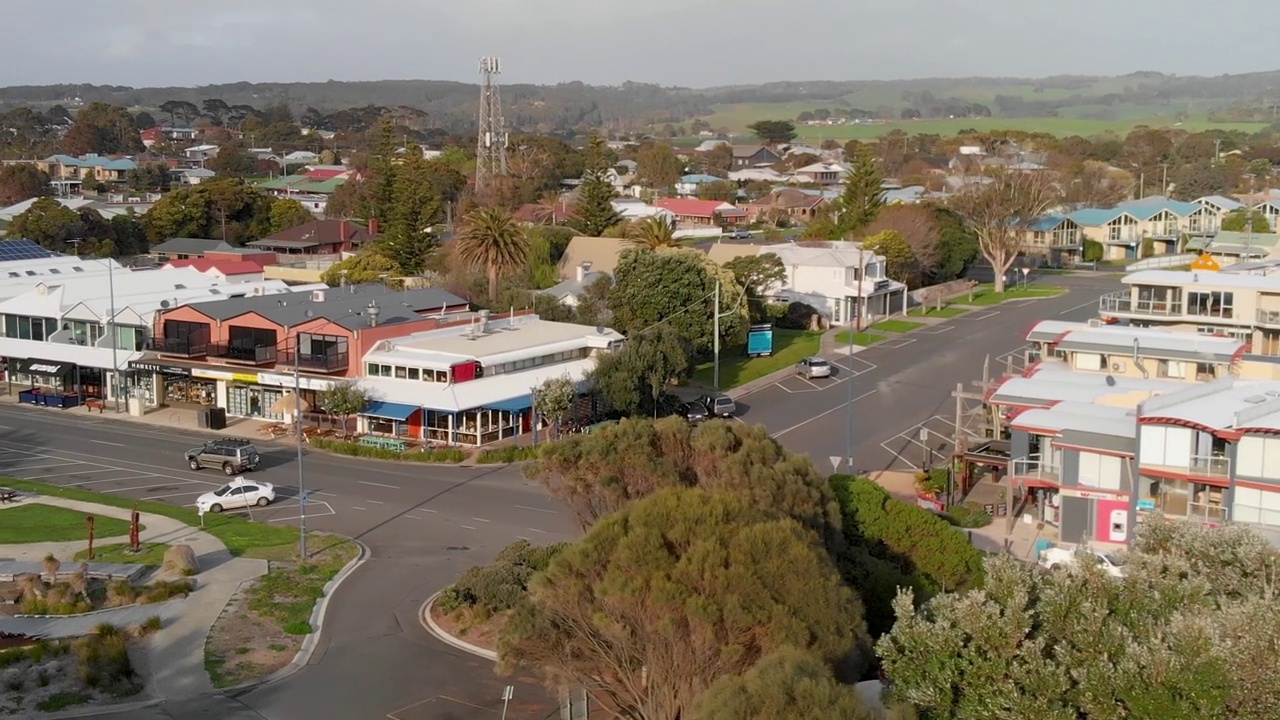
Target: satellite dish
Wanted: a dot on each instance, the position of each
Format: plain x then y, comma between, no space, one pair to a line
1111,381
164,303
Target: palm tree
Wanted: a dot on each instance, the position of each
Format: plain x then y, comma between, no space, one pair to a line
655,231
548,207
491,240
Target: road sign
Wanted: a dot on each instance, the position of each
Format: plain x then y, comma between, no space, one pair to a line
302,498
835,463
507,693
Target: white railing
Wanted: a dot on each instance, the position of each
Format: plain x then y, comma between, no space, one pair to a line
1123,302
1209,466
1035,466
1162,261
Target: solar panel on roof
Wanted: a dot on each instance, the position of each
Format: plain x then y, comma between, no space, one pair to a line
23,250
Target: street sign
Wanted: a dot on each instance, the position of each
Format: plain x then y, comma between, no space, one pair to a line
508,692
835,463
302,498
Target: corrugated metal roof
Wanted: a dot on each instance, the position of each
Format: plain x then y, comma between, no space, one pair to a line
1094,217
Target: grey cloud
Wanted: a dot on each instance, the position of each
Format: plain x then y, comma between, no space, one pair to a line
673,42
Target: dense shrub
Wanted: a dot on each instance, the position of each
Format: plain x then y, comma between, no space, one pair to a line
968,515
797,316
1093,251
913,537
433,455
500,585
103,663
508,454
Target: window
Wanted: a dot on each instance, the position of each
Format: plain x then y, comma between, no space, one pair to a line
412,373
1105,472
1087,361
1259,507
1180,499
23,327
130,338
401,373
377,370
249,338
1165,445
83,333
1258,457
1211,304
1174,369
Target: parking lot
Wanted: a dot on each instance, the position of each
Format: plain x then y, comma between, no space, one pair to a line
142,481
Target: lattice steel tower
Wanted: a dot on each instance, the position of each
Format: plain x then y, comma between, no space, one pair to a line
491,141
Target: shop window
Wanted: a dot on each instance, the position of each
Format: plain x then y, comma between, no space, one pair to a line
1211,304
412,373
23,327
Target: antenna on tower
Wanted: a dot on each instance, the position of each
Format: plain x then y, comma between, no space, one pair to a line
491,141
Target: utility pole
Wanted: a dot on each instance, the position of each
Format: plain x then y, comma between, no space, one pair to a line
857,324
715,341
115,335
1164,178
491,140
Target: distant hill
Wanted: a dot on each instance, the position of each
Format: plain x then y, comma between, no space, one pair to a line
631,106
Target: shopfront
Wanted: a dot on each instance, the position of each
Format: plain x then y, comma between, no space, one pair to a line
162,384
393,420
42,374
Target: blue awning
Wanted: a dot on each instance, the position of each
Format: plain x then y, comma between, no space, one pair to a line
515,404
390,411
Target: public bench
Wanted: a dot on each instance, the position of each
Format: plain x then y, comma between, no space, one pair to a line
383,443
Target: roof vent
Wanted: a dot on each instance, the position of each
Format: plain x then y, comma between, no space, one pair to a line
1273,393
1255,399
317,296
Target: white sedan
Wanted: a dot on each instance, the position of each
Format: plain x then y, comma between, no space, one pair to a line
238,493
1055,558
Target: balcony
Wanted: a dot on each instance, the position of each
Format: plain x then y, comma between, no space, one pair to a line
1269,317
181,347
242,354
1123,303
1198,466
1035,467
1123,238
316,362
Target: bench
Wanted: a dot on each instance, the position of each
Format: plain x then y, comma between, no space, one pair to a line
7,496
383,443
94,404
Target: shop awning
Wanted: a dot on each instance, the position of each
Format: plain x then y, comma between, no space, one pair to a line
44,368
515,404
390,411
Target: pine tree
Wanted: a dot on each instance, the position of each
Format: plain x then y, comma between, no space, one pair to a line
384,167
863,196
415,207
594,213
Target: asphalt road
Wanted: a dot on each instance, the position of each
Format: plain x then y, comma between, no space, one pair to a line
907,381
424,526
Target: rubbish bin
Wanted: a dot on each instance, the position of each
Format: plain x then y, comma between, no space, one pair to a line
217,418
202,419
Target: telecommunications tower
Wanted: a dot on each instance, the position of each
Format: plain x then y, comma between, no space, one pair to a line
491,141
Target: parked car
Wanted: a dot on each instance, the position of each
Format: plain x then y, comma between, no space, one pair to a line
813,367
1056,558
739,234
694,412
232,455
721,406
238,493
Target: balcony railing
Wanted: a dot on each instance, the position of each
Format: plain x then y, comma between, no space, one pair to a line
1122,302
1124,239
182,347
1035,466
317,362
1209,466
1269,317
242,354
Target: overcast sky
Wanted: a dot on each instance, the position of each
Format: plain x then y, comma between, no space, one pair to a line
695,43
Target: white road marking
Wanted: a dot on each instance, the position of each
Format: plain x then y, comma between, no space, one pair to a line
144,487
1085,304
543,510
73,472
104,442
317,492
411,517
841,406
936,329
38,467
544,532
357,507
480,519
375,502
157,497
427,510
522,537
898,344
467,527
366,482
91,482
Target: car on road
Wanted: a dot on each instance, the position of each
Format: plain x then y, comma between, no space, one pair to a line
231,455
238,493
693,412
739,234
1061,558
813,367
721,406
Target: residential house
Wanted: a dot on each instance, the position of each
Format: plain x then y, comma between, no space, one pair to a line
201,153
320,173
821,173
635,209
228,271
239,353
66,173
472,384
1135,352
709,145
112,206
746,156
1119,231
1163,220
1216,206
186,249
1054,239
1230,246
689,185
707,213
569,292
758,174
909,195
789,202
591,254
300,157
1270,209
319,237
313,194
538,214
841,280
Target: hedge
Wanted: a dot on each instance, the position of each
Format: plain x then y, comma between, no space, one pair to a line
433,455
508,454
500,585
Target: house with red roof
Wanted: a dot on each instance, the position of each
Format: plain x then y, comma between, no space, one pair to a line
690,211
230,271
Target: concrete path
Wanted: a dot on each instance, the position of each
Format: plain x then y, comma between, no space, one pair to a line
56,628
174,656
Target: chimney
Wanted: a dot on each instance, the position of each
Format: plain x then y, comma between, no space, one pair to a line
582,271
373,226
342,230
484,321
373,311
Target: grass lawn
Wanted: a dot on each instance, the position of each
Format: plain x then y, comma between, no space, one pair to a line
238,534
985,294
151,555
863,338
789,348
947,311
287,594
33,523
896,326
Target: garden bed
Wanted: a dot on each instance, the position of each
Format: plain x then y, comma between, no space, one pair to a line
263,626
450,456
48,676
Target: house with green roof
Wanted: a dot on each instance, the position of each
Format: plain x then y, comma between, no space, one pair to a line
1230,247
1118,230
1165,221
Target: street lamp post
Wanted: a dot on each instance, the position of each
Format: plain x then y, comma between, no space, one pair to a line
115,337
297,422
857,328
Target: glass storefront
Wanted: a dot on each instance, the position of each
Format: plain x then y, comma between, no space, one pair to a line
1183,499
253,401
189,391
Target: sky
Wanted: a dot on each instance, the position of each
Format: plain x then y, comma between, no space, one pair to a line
692,43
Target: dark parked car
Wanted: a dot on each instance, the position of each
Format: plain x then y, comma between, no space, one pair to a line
694,412
720,406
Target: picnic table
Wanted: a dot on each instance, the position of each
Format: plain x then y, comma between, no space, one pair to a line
8,495
384,443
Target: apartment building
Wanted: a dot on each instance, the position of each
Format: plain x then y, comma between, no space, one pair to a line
1134,352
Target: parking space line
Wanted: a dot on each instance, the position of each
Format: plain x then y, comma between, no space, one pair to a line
936,330
526,507
366,482
544,532
73,472
39,467
329,511
158,497
899,344
983,316
467,527
142,487
841,406
91,482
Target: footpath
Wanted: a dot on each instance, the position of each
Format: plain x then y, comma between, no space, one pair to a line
173,663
